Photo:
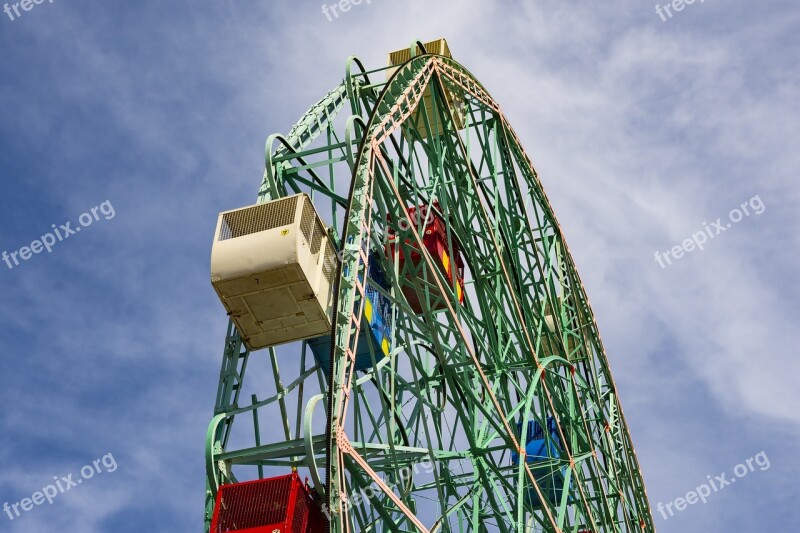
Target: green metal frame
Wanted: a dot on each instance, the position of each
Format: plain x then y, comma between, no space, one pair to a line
423,440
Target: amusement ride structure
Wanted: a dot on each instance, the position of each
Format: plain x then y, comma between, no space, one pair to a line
410,347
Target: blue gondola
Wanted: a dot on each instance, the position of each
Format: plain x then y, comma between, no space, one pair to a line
376,328
541,452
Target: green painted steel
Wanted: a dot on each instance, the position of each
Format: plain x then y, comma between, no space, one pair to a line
423,440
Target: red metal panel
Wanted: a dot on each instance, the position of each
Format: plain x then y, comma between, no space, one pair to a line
434,238
276,505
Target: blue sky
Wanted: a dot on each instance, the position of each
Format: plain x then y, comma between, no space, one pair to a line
642,130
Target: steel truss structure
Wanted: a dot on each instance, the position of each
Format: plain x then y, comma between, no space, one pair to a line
432,437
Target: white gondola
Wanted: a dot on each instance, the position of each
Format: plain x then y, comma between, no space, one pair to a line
273,266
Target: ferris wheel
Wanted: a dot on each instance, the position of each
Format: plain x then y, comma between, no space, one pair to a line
419,349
